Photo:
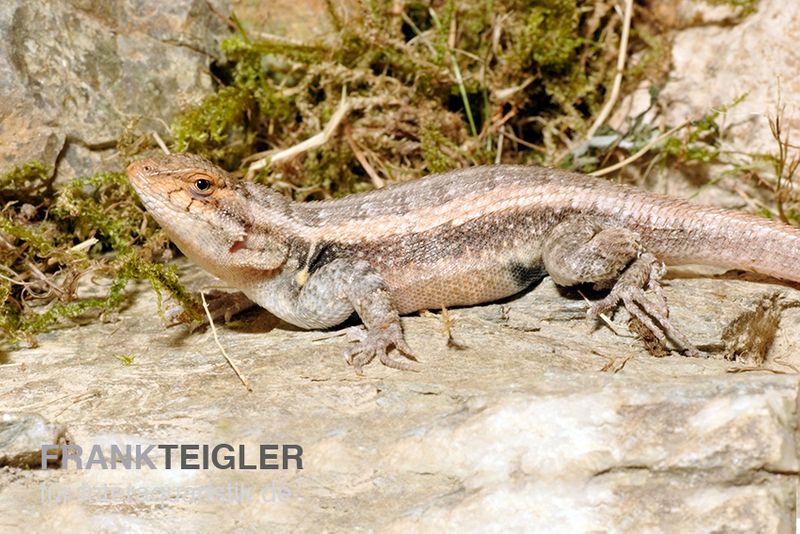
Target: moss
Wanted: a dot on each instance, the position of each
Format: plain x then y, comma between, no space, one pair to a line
438,62
83,206
744,7
330,172
239,46
39,287
27,183
206,128
549,39
433,142
701,142
17,325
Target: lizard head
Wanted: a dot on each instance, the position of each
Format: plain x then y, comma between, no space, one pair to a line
206,213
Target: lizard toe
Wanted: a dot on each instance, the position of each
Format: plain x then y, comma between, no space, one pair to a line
377,342
388,361
358,357
405,350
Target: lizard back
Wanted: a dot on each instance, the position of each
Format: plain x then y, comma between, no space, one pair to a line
474,235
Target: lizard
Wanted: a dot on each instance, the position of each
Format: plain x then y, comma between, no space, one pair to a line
457,238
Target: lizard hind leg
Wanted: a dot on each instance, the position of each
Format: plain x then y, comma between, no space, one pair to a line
372,303
580,250
372,343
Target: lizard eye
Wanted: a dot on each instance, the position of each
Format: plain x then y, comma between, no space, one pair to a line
203,185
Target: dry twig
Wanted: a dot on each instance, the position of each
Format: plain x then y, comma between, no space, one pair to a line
623,53
235,368
160,142
312,142
640,153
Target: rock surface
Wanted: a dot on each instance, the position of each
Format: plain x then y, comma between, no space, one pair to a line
22,436
720,54
533,420
75,74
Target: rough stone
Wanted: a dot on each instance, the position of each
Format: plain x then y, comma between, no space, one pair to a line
534,419
527,419
22,436
718,56
81,72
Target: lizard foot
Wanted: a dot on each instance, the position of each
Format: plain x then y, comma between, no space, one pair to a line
645,272
376,342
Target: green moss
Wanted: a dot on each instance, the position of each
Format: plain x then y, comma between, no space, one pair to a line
432,149
701,142
49,256
443,60
27,183
549,39
206,128
40,240
83,206
238,47
128,268
745,7
330,171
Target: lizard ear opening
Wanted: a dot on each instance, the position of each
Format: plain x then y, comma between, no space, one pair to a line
259,251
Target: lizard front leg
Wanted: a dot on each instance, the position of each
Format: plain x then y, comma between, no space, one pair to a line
580,250
330,294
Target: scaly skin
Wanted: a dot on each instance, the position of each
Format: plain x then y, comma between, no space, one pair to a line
459,238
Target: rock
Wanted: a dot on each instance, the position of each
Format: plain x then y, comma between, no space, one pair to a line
304,21
22,436
26,136
601,455
82,72
534,419
713,63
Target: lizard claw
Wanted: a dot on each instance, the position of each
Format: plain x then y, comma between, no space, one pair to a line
645,272
375,342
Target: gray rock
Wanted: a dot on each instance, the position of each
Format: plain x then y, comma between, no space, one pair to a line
81,72
22,436
717,56
537,420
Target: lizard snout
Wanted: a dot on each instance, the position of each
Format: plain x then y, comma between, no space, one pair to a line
140,168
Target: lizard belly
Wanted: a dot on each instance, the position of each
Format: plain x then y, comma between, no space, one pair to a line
446,285
280,295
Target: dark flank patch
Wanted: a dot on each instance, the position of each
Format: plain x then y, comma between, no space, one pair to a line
527,274
324,253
